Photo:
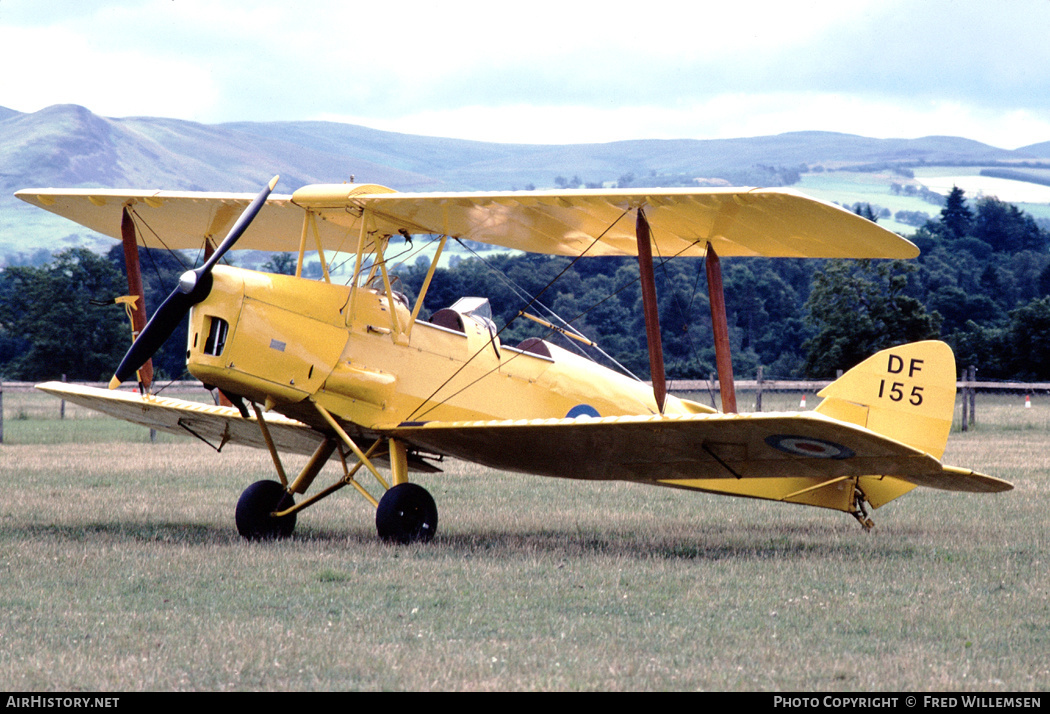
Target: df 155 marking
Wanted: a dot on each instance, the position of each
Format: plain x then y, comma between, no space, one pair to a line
895,391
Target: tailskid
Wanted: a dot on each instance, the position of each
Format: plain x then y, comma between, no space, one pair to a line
859,509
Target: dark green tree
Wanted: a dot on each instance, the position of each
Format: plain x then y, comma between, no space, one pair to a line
66,314
859,308
1006,228
956,217
1028,340
958,307
1044,281
283,263
160,274
984,345
864,210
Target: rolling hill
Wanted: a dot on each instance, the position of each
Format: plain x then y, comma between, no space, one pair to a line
69,146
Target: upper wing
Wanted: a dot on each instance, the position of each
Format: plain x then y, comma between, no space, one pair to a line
218,425
736,221
764,455
180,220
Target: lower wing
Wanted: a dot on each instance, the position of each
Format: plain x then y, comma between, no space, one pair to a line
801,458
216,425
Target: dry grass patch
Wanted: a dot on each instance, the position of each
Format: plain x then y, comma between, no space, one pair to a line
122,570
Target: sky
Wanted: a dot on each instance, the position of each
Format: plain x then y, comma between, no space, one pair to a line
551,72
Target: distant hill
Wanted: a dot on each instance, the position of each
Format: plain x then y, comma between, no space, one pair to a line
1038,150
69,146
488,166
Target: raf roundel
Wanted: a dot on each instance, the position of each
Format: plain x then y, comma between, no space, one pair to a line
808,446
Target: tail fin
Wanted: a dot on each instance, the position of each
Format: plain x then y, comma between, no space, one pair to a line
906,393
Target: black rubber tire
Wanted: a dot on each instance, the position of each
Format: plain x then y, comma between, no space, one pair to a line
406,514
254,507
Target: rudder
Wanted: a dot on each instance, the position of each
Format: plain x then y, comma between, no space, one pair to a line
906,393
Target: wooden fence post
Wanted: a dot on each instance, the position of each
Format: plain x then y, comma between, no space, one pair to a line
964,421
973,395
1,412
758,390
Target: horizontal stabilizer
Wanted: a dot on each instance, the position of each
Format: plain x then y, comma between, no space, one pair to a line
952,478
907,394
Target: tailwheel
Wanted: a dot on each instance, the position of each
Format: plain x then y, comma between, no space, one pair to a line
254,509
406,514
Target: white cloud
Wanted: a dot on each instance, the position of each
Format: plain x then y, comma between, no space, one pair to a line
551,71
46,66
722,117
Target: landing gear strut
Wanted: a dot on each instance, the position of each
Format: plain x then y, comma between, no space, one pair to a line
405,514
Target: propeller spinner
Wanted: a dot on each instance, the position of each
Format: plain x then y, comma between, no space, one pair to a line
194,286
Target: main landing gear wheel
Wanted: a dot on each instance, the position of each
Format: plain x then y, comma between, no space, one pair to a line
406,514
254,507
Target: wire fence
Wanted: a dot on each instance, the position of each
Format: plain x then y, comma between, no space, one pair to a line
1026,403
1003,403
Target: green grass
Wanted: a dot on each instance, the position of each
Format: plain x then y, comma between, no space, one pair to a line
122,570
850,187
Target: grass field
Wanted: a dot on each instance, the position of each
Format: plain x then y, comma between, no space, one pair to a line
121,570
849,187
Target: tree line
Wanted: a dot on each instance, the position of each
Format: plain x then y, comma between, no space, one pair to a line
981,283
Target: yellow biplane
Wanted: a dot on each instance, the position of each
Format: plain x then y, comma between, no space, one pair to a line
352,372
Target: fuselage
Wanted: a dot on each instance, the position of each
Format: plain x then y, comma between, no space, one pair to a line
284,340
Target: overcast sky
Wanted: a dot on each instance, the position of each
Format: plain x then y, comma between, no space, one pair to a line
546,72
